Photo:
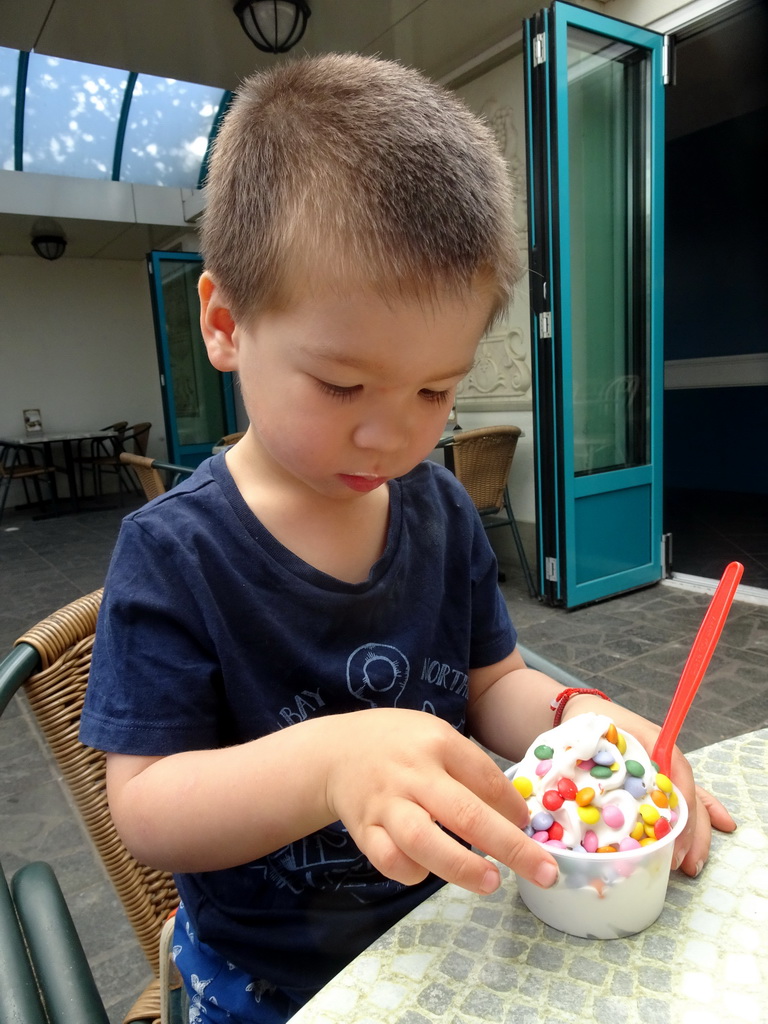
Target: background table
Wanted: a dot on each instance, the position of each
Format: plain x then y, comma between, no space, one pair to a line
66,441
466,959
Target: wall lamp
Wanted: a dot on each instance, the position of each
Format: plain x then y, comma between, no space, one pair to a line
273,26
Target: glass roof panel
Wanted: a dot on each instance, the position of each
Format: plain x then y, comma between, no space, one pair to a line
89,121
168,130
71,115
9,66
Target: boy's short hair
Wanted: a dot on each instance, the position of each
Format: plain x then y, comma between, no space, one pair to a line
349,170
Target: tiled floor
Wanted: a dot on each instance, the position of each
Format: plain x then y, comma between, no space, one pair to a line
633,647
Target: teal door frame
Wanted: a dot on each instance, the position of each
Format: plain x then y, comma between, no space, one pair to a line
599,519
212,401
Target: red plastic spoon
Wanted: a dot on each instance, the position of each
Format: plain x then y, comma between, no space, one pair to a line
693,672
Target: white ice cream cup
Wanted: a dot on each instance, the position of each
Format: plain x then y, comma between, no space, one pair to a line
606,895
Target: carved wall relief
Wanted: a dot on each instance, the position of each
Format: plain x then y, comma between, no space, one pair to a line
502,375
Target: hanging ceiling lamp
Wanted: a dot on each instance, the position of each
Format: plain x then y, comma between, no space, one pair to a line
274,26
48,239
50,247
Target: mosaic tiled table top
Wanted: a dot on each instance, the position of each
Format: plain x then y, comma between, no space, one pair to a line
466,959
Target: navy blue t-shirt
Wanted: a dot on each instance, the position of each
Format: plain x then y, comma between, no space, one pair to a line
212,633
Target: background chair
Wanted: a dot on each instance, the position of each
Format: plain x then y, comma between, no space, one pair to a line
603,424
21,462
226,441
99,446
149,473
149,478
482,459
104,457
52,661
229,439
120,427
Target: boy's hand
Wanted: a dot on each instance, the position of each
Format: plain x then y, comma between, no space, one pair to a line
692,848
705,811
398,775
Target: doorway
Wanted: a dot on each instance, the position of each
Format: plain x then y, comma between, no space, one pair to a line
594,118
198,401
716,300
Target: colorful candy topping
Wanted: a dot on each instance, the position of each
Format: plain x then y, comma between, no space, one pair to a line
584,793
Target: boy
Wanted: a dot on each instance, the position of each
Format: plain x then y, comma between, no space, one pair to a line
261,676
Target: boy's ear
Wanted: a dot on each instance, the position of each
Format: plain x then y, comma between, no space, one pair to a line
217,325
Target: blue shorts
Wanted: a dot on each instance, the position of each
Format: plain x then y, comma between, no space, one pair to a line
219,992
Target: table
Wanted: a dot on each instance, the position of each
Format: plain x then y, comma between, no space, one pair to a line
466,959
66,441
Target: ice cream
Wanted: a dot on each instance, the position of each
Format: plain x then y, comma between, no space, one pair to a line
609,819
591,787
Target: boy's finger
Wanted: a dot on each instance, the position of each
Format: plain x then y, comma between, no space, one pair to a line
418,845
692,848
463,813
387,857
718,815
483,777
525,856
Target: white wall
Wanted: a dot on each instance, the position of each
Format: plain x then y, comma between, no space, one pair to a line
78,343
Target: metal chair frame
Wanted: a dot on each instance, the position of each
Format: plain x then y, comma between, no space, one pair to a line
51,661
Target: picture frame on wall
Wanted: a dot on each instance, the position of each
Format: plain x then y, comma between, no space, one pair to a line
33,421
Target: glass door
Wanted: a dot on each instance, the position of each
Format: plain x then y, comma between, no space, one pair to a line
198,400
594,96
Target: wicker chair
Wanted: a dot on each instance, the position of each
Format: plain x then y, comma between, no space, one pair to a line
227,441
149,478
18,462
482,460
150,473
52,661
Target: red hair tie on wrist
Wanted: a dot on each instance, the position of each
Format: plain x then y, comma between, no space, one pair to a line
558,704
